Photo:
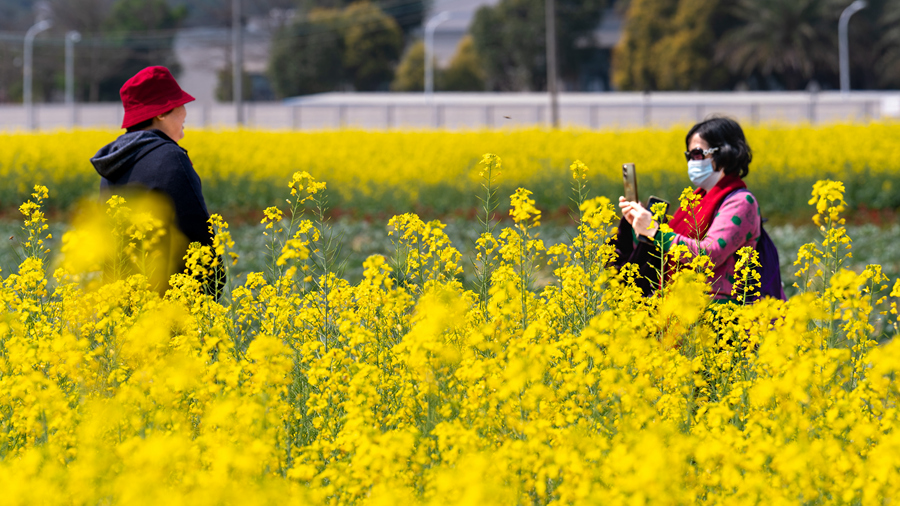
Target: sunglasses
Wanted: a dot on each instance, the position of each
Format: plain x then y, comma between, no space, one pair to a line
698,154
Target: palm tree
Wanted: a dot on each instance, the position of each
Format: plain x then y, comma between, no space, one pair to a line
888,62
790,40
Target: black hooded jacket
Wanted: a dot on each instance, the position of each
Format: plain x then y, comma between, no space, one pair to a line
149,159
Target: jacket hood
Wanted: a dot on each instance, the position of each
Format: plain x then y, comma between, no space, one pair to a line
121,154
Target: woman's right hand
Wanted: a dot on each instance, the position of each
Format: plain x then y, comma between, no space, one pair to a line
640,219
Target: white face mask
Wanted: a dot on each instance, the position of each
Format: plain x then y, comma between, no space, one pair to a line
700,171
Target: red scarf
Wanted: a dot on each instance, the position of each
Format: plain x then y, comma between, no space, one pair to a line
696,223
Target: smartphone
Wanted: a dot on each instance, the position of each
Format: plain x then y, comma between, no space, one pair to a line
650,202
629,176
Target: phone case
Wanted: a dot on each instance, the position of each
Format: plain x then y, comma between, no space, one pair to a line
629,177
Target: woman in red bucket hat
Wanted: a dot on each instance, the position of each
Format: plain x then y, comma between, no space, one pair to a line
147,157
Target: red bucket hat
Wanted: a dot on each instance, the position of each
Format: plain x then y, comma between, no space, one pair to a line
151,92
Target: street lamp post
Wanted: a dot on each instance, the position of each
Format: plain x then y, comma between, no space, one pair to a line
237,63
27,72
552,80
71,38
430,27
843,51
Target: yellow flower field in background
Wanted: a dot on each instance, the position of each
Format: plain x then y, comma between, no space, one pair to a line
432,171
296,386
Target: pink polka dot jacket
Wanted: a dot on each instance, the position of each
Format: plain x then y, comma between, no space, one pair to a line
735,225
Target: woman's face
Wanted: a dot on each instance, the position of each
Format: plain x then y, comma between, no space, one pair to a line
172,124
699,142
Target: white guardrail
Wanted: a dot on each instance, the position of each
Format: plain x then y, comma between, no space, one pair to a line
460,111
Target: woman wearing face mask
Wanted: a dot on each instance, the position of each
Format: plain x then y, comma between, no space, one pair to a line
727,216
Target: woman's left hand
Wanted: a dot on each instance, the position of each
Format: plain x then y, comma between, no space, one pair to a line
641,220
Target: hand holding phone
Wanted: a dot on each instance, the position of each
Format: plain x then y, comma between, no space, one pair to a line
653,200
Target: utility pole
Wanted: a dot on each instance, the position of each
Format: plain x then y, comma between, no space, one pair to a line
71,38
237,62
27,71
844,52
550,15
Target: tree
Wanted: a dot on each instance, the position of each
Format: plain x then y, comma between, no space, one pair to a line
10,74
788,41
97,61
16,14
225,84
510,40
888,60
372,45
130,21
363,41
304,54
635,57
218,12
669,45
465,72
874,38
715,44
408,14
410,75
119,37
686,53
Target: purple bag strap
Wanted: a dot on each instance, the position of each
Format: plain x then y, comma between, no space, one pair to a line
770,273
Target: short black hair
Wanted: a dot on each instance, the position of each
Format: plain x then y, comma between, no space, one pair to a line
143,125
734,154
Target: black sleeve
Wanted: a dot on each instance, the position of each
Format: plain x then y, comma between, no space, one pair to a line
640,253
181,183
191,212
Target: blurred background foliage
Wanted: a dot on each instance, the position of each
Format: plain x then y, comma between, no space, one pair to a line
119,37
511,40
376,45
753,44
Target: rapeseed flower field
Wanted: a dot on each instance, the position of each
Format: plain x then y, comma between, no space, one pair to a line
432,172
296,386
